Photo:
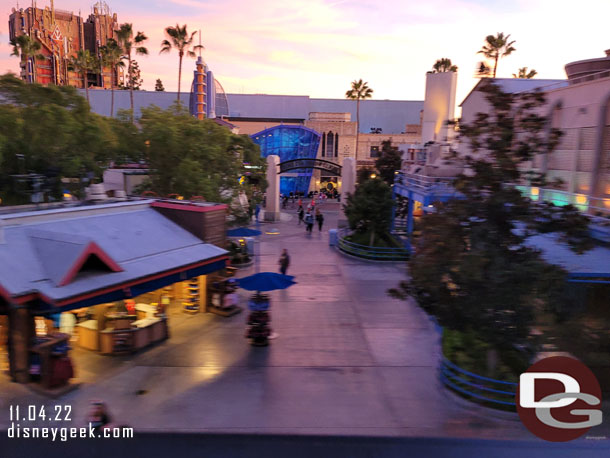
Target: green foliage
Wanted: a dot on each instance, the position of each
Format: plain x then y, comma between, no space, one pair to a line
524,73
130,45
180,40
444,65
360,90
27,48
159,85
136,80
194,157
84,62
469,351
472,268
388,162
495,48
369,209
49,130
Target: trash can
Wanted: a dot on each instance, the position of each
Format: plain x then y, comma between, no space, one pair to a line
250,245
333,237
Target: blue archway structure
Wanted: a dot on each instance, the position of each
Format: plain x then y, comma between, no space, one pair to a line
290,142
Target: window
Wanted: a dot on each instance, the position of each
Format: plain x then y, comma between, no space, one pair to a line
330,144
336,145
374,151
323,145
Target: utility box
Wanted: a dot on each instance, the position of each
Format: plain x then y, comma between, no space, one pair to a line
333,237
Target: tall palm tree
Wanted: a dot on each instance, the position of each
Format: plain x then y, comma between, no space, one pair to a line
181,41
84,62
27,48
444,65
130,44
523,73
111,54
497,47
359,91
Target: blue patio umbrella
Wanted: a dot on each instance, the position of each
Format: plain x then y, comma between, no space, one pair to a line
266,281
243,232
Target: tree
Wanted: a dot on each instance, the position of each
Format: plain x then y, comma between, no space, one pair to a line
50,130
194,157
388,162
84,62
27,48
483,70
523,73
496,47
473,268
159,85
130,44
359,91
180,40
135,82
444,65
369,209
111,54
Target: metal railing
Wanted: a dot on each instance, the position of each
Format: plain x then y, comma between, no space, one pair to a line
424,181
369,252
479,388
583,202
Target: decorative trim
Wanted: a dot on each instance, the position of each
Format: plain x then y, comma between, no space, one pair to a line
91,249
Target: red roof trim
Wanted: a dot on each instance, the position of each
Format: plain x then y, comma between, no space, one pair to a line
91,249
190,208
32,296
134,282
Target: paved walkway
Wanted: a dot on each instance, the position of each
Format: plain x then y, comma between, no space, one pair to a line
348,360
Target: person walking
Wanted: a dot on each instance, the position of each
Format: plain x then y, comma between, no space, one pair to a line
309,222
284,261
257,212
319,219
301,214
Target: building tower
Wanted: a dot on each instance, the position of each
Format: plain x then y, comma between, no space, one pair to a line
439,106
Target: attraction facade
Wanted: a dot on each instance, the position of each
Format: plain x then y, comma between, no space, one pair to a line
61,35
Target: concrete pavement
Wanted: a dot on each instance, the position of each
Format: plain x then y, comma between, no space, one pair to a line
348,360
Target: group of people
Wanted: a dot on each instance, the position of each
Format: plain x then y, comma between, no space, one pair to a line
309,216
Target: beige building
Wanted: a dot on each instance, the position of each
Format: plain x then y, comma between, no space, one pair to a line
580,108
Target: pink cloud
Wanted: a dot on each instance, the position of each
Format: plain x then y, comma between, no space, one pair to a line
317,47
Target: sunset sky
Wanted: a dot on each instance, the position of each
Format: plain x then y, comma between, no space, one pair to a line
317,47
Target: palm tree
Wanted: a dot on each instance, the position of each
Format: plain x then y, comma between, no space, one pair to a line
129,44
497,47
359,91
27,48
84,62
523,73
181,41
444,65
111,54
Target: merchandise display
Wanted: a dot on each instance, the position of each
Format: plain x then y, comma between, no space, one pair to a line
258,330
191,302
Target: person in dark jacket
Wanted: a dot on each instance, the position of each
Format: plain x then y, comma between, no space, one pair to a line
319,219
284,262
309,222
301,213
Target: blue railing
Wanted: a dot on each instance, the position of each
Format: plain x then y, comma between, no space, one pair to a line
369,252
477,387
